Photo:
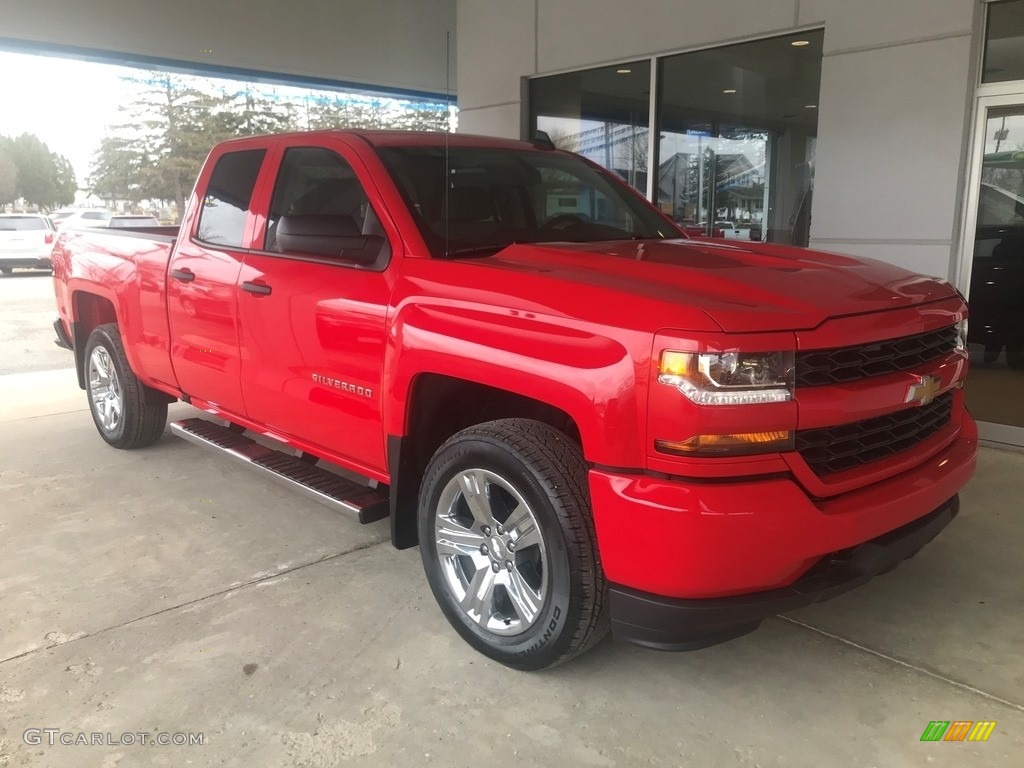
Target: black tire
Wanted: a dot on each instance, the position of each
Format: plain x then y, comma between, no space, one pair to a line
143,415
548,472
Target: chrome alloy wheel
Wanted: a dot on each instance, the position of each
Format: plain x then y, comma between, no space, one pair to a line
105,389
491,551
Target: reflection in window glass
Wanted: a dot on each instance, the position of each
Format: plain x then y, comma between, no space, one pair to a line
1004,42
996,330
222,219
738,129
603,114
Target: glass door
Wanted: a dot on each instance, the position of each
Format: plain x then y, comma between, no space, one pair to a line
994,270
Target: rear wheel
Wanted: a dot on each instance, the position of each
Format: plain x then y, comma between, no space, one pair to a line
127,413
508,543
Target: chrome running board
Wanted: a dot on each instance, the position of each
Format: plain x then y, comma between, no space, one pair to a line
365,504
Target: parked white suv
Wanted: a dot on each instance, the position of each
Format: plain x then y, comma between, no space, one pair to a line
26,240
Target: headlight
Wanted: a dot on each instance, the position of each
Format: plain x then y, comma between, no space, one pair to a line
730,378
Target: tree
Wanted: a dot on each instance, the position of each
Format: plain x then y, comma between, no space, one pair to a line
8,173
252,113
66,182
37,172
180,124
169,129
348,111
119,170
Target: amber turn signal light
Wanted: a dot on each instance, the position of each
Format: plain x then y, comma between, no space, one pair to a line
738,444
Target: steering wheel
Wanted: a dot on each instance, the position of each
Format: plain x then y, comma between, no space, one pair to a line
563,220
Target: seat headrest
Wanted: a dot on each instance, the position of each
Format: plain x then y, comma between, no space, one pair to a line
314,233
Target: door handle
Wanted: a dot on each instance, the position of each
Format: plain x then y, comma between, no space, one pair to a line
257,289
185,275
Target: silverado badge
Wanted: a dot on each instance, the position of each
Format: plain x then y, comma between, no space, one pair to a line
925,390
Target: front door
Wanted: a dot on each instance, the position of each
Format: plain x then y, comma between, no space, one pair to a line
312,310
202,284
994,271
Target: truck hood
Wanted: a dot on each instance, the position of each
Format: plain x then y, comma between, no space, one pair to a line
743,288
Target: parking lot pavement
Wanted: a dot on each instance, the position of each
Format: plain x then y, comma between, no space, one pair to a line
171,591
27,312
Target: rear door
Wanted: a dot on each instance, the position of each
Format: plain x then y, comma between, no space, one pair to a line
312,304
202,284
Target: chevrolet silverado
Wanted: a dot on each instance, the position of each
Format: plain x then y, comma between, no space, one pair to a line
586,420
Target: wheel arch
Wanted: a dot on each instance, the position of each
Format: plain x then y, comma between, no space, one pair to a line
439,406
88,310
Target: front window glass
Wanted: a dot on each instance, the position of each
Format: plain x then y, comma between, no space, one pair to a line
482,199
320,208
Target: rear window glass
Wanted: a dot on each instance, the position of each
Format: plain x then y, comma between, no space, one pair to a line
20,223
222,220
97,215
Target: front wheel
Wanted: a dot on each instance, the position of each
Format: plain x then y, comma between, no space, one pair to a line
127,413
508,543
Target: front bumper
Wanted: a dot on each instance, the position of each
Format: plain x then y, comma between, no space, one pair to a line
671,624
667,542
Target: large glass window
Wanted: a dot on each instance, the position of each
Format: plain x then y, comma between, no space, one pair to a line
737,130
1004,42
603,114
737,138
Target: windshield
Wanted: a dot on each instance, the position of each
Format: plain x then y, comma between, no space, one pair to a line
497,197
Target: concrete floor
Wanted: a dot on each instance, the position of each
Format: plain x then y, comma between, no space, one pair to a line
169,590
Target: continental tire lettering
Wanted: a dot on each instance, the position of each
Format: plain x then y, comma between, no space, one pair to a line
552,626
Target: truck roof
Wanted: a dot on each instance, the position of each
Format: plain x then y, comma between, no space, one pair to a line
403,138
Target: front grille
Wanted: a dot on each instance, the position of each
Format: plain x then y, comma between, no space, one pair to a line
833,449
817,367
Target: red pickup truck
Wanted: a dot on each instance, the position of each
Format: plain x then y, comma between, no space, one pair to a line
585,419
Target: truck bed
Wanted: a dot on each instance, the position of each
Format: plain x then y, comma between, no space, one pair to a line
122,273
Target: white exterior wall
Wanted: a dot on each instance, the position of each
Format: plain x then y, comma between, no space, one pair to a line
377,43
897,81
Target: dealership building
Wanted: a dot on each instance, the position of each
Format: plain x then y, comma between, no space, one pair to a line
890,129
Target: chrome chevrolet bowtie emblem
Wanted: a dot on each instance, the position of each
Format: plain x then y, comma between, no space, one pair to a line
925,390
